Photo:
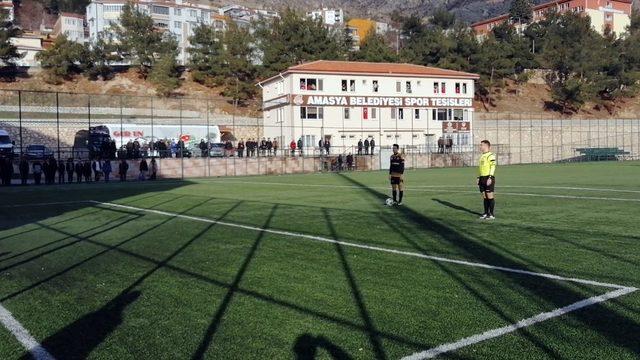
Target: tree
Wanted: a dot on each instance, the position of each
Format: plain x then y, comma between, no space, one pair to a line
293,38
239,70
138,40
521,11
206,55
99,57
165,74
374,48
442,18
8,52
63,60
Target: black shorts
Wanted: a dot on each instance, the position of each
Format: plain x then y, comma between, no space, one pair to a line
396,180
482,184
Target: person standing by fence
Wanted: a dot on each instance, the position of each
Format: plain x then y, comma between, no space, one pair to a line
122,169
61,169
69,167
154,169
240,148
372,143
360,146
366,146
78,168
106,169
292,146
275,147
23,167
144,168
37,172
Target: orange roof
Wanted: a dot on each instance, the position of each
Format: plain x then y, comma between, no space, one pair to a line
68,14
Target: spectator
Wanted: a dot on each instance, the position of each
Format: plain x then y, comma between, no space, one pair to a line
300,145
53,168
45,171
106,169
86,170
228,148
269,147
350,162
69,168
360,145
240,148
263,147
203,148
144,168
320,146
37,172
275,147
7,171
78,169
122,169
327,146
292,146
154,168
339,162
23,167
372,143
96,165
449,145
366,146
61,169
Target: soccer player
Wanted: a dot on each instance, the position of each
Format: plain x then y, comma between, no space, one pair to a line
486,178
396,175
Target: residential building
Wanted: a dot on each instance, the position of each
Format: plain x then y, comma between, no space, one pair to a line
72,26
612,14
6,6
29,46
328,16
179,18
344,102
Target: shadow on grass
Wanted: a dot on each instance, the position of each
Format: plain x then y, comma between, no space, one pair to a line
456,207
608,323
306,348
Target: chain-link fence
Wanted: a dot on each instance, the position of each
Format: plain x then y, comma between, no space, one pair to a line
191,137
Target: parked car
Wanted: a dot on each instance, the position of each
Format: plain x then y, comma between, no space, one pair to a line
38,152
6,146
217,150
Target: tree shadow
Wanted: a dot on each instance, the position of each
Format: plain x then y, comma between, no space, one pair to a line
600,318
456,207
216,321
306,348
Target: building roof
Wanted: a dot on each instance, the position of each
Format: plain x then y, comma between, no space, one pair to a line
372,68
68,14
535,8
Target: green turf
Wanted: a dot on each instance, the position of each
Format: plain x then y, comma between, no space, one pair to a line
94,281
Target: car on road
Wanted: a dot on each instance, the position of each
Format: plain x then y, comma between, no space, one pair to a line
39,152
217,150
6,146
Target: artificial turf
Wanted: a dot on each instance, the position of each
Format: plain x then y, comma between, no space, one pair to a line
90,280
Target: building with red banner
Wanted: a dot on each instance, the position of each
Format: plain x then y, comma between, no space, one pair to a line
345,102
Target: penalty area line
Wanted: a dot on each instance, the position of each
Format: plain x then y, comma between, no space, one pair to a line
494,333
23,336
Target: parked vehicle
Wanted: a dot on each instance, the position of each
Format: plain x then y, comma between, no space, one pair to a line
217,150
38,152
6,146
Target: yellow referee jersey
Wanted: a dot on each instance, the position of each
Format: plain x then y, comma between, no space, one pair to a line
487,164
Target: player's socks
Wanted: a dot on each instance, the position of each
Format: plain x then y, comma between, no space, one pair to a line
401,194
395,195
486,207
492,204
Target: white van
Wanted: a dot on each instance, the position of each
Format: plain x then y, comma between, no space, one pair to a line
6,146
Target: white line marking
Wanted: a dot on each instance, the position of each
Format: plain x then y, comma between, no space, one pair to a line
620,290
367,247
435,189
22,335
47,203
445,348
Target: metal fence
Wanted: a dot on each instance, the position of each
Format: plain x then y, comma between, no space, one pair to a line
63,124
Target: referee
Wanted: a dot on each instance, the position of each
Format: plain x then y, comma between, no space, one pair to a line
486,179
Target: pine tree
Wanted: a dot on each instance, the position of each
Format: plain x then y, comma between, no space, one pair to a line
521,11
239,70
375,48
100,56
206,55
443,18
63,60
8,52
165,74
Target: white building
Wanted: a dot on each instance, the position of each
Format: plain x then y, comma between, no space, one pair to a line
6,6
328,16
180,18
29,47
72,26
345,102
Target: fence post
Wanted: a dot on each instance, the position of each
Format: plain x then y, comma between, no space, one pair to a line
58,121
20,118
208,142
181,142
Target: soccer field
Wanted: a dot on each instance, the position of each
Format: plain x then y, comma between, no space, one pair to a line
316,267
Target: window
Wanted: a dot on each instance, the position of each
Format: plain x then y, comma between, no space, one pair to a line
608,17
374,113
177,12
457,88
311,84
416,114
365,113
344,85
393,113
161,10
436,88
347,113
177,24
280,87
398,86
440,114
443,88
375,85
311,112
458,114
464,88
193,13
400,114
352,85
408,87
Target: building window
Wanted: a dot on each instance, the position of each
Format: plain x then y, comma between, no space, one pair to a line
347,113
400,114
375,86
398,86
177,12
457,88
311,112
311,84
436,88
416,114
352,85
393,113
177,24
408,87
344,85
160,10
443,88
458,114
193,13
365,113
464,88
374,113
440,114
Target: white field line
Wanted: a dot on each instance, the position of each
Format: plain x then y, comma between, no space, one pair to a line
424,189
46,203
22,335
490,334
367,247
